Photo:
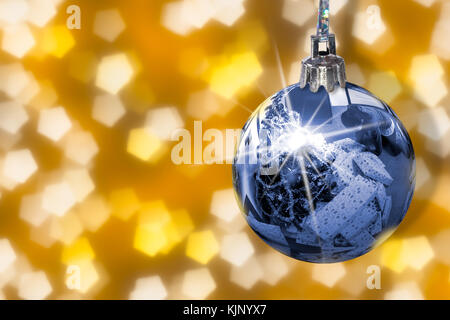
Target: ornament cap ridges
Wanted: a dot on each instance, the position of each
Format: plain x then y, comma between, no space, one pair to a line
323,68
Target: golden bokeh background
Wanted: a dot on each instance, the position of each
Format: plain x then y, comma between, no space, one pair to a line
89,189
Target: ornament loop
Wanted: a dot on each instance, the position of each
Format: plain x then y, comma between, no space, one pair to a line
323,24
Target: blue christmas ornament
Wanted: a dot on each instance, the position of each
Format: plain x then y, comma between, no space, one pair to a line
324,170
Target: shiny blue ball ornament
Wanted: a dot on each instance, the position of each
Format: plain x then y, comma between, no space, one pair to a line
324,170
322,177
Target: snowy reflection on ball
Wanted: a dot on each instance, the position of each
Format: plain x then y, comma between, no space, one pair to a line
322,176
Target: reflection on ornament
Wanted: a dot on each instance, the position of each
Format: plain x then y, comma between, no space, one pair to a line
323,168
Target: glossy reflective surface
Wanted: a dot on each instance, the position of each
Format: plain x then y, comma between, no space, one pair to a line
322,176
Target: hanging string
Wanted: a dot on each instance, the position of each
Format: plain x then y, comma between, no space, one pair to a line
323,24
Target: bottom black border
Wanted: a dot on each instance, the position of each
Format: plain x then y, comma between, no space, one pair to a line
224,309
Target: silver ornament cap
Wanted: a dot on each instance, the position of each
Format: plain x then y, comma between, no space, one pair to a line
323,67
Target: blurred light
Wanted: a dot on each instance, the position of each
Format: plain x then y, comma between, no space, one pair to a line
441,191
42,234
441,148
177,229
172,237
41,12
58,198
198,284
34,286
439,243
247,275
418,260
298,11
252,35
5,182
328,274
46,98
54,123
229,11
77,252
89,275
149,241
149,288
17,40
417,252
385,85
19,165
143,144
56,41
154,215
202,246
240,71
31,210
198,12
426,3
94,212
335,6
368,25
108,24
8,277
236,249
13,79
426,75
7,255
12,117
182,17
404,291
183,221
391,255
274,267
8,141
237,224
355,280
163,122
434,123
67,228
174,18
80,147
30,91
124,203
114,72
108,109
423,174
150,235
20,266
224,205
203,104
439,45
80,182
13,11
